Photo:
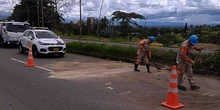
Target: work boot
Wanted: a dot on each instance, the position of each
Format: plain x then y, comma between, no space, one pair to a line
148,68
194,87
135,68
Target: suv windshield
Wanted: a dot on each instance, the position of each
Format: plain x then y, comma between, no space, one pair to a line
45,34
16,27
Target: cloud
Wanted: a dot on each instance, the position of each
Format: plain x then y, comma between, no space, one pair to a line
7,6
200,18
191,11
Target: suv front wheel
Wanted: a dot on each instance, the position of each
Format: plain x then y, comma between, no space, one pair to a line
35,52
21,49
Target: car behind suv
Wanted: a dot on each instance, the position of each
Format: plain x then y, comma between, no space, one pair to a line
43,41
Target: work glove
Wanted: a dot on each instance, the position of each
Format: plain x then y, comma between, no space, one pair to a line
192,62
200,49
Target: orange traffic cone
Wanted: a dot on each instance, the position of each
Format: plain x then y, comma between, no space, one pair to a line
173,98
30,61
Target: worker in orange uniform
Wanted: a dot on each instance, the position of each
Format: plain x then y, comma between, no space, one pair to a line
185,63
144,52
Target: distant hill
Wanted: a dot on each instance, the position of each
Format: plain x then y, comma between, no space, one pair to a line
161,24
3,15
153,23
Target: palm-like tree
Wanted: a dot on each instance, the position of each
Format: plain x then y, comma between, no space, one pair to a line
126,19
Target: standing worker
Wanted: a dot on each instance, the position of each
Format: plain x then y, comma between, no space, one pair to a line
144,51
185,63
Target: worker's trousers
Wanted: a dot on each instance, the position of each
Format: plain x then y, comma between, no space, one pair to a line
183,70
141,57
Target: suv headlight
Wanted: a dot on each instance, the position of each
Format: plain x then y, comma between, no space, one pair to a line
61,43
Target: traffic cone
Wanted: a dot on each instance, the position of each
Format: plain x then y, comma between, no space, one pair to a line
173,98
30,61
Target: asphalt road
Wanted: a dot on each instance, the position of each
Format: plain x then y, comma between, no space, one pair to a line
31,88
78,82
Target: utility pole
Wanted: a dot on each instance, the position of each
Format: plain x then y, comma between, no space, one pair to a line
42,13
38,17
28,14
80,21
97,31
56,20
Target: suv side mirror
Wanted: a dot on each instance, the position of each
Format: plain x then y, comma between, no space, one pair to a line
4,28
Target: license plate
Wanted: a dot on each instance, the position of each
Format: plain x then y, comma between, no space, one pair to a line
13,39
55,49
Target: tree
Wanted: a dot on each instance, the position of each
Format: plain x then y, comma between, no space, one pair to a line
126,20
30,10
186,27
191,26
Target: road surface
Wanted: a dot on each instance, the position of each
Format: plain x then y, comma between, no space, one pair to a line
78,82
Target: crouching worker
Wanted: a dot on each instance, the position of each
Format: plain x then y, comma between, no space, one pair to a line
185,63
144,53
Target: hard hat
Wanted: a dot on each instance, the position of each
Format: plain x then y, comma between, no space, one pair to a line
152,39
193,39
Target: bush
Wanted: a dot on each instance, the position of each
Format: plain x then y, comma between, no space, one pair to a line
212,62
170,39
114,52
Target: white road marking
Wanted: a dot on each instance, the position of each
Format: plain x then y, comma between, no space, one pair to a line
110,88
126,92
35,66
214,94
206,93
108,83
211,94
44,68
18,60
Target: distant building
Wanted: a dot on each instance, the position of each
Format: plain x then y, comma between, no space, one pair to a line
90,20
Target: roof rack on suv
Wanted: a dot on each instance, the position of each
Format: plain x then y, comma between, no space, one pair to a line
45,28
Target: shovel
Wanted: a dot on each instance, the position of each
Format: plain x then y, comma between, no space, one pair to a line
156,65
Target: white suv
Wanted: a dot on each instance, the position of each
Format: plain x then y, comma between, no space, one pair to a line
43,41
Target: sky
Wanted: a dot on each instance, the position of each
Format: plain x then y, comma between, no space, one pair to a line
196,12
